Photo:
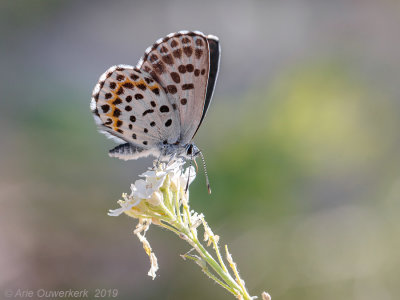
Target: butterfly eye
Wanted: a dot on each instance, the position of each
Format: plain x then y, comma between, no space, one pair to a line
189,150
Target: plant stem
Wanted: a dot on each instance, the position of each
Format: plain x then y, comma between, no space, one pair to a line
223,273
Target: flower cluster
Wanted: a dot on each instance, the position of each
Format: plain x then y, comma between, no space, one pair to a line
162,198
156,199
154,196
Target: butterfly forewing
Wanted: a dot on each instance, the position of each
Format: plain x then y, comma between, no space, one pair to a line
131,106
180,63
215,54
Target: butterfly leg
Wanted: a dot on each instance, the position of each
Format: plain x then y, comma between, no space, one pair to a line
172,158
158,160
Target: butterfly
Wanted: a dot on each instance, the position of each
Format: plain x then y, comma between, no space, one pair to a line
156,107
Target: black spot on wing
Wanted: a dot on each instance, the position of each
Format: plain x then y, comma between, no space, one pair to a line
164,109
168,123
148,111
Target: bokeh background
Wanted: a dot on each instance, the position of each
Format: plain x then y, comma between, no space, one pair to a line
302,145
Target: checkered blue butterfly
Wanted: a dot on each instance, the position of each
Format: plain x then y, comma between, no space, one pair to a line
157,107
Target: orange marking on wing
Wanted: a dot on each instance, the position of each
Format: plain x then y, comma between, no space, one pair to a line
154,86
114,107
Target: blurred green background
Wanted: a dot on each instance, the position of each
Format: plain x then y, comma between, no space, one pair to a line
301,141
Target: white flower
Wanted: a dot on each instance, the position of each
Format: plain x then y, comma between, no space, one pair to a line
190,174
148,189
143,189
155,177
265,296
125,206
162,169
156,198
175,166
159,172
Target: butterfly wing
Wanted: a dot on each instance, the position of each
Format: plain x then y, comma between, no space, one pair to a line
129,106
215,55
180,63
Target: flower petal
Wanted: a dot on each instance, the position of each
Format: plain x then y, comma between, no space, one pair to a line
125,206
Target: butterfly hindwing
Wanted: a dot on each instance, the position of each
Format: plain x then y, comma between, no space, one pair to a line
132,107
180,64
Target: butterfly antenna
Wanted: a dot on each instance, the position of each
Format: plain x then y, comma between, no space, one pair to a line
205,172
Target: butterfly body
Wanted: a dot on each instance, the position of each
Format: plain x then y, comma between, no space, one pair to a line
129,151
157,107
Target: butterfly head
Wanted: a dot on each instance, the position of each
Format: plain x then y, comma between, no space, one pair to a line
192,151
185,151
